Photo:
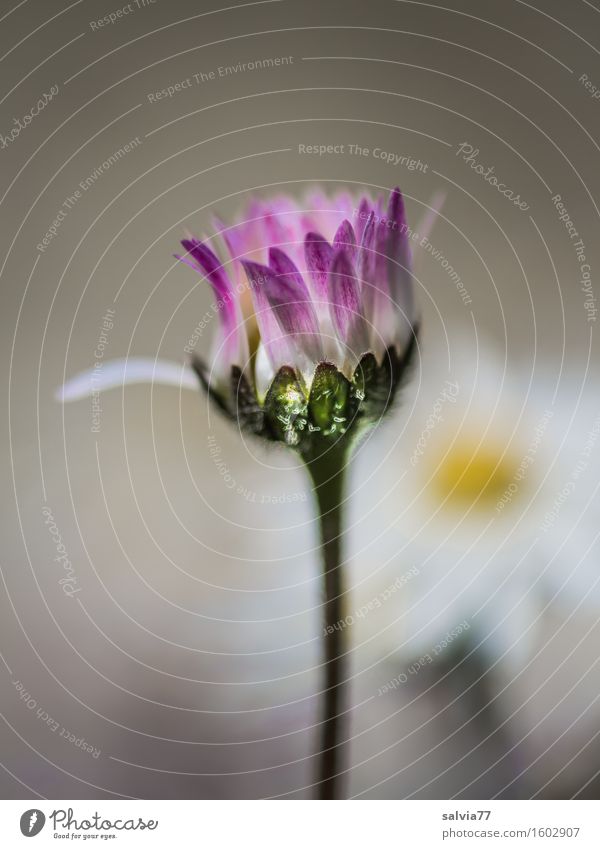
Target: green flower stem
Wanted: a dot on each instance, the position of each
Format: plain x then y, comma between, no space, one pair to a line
327,473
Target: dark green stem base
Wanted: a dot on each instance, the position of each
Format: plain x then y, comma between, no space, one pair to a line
327,473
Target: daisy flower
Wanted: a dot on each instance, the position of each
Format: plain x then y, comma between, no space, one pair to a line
317,327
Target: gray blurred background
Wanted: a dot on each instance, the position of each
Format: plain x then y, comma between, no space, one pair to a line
183,658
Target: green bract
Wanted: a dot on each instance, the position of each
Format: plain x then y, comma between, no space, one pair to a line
309,419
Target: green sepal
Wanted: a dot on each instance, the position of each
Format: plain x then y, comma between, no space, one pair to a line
286,407
331,405
203,376
247,409
374,385
335,412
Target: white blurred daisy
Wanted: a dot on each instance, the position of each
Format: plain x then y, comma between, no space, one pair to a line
476,516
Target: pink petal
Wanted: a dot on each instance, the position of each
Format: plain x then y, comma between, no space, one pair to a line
346,304
293,307
366,266
362,216
318,254
208,263
345,238
399,259
283,266
233,348
277,344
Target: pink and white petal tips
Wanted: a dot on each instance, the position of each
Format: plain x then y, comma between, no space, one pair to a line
333,286
362,215
124,372
267,223
366,261
379,308
376,248
283,266
279,348
289,333
317,212
232,238
347,310
324,213
293,307
346,238
399,269
232,346
318,255
279,223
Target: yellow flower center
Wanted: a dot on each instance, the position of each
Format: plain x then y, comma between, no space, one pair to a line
471,474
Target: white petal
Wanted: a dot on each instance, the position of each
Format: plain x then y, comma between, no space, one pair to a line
120,372
263,372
